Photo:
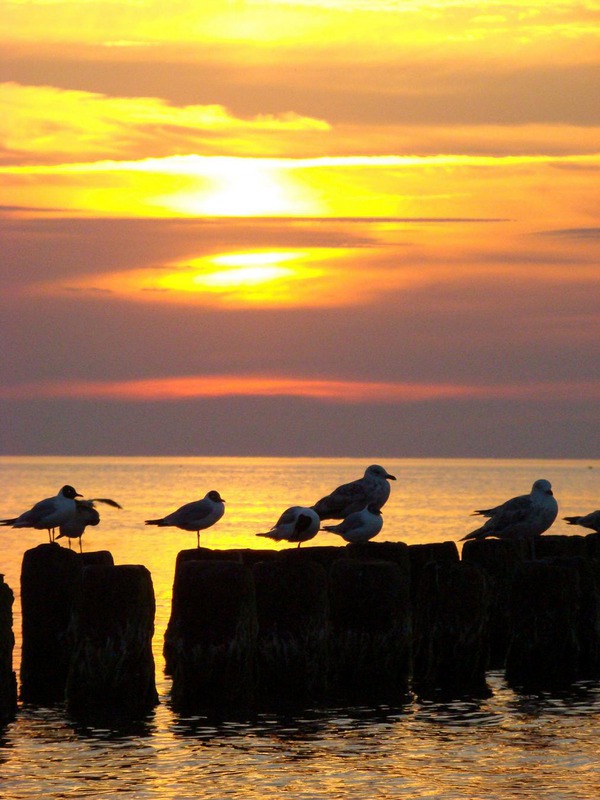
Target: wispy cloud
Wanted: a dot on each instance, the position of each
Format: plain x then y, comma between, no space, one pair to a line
339,391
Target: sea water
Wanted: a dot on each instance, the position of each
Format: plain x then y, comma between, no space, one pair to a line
507,746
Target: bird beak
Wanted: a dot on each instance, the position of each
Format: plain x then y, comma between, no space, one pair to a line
391,477
78,495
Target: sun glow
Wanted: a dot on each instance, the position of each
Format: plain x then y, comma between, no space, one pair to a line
242,278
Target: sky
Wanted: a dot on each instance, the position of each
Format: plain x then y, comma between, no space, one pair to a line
300,228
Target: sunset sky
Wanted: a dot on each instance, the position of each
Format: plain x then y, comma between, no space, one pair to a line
300,227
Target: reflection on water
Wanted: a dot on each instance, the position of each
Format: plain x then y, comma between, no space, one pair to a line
505,746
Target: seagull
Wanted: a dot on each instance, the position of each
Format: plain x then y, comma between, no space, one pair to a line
360,526
591,520
522,517
194,516
296,524
373,487
48,514
85,514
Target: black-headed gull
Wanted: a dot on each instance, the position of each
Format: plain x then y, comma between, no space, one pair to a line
373,487
85,514
296,524
591,520
195,516
522,517
360,526
47,514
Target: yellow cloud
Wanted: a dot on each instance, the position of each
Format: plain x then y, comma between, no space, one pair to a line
54,124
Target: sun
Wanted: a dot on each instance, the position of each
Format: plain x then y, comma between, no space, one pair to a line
235,187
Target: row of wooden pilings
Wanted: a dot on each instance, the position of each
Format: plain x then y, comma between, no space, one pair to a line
264,630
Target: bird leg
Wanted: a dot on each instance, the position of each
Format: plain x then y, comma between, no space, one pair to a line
198,537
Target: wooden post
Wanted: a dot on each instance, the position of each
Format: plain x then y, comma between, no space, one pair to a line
543,652
214,638
499,559
326,555
451,634
554,545
370,632
50,582
421,555
8,679
172,640
112,667
292,648
398,552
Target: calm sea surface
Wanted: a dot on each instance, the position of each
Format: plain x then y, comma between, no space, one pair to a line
509,746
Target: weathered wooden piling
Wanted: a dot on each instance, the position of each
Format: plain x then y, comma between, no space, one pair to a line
8,679
326,555
292,647
398,552
111,672
544,650
554,545
370,653
172,640
499,559
213,638
50,582
592,545
588,616
451,631
420,555
96,558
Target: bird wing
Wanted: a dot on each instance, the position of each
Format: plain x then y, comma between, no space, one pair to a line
107,501
513,511
287,518
516,501
345,499
190,513
351,522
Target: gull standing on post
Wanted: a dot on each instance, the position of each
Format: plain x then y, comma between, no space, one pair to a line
47,514
85,514
196,516
361,526
296,524
373,487
524,517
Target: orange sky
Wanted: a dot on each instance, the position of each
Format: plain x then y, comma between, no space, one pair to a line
375,223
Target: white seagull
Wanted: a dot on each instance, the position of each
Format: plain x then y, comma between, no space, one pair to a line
373,487
360,526
591,520
85,514
48,514
296,524
195,516
522,517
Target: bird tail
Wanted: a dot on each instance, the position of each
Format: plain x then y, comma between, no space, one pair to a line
8,522
478,534
154,522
